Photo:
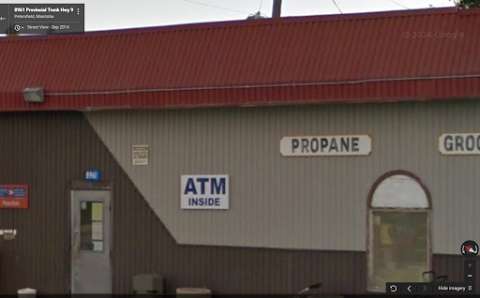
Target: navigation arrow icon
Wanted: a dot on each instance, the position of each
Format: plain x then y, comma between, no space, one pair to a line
410,288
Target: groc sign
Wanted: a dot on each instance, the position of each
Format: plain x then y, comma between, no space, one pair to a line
341,145
459,144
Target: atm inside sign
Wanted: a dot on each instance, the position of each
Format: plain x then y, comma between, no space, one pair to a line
13,196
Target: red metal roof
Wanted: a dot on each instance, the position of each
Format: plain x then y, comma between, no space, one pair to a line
428,54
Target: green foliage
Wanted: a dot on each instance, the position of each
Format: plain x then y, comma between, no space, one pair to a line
468,3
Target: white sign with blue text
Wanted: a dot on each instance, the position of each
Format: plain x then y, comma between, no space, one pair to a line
204,192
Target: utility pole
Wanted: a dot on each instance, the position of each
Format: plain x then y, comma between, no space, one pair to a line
277,9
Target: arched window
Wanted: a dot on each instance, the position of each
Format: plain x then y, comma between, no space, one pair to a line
399,230
399,191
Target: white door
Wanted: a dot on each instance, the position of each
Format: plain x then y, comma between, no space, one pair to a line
91,242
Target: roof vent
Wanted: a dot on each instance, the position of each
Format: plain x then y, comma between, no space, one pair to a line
33,94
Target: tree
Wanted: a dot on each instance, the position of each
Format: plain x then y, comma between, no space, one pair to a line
468,3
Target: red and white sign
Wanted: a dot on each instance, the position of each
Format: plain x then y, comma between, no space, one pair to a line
13,196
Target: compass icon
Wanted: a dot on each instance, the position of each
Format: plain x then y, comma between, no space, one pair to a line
469,248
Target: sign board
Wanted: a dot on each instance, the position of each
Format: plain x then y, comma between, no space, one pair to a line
14,196
93,175
204,192
140,155
340,145
9,234
459,144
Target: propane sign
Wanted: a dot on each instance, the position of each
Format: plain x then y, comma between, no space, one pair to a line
13,196
204,192
341,145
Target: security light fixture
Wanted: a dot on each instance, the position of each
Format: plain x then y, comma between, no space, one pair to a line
33,94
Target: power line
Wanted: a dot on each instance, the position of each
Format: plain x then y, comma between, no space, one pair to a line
215,6
260,6
286,84
337,6
399,4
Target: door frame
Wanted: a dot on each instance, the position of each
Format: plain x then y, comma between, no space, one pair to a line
370,210
80,185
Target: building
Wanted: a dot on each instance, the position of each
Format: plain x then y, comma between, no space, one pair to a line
341,149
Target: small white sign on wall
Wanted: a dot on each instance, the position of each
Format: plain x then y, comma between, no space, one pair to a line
341,145
204,192
140,154
459,144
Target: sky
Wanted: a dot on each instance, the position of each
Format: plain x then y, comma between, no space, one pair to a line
120,14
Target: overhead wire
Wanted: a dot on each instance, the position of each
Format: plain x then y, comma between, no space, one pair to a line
337,6
260,6
268,85
399,4
201,3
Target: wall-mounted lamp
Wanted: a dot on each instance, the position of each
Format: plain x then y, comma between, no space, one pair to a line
33,94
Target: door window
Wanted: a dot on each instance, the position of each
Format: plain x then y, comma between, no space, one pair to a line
91,226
